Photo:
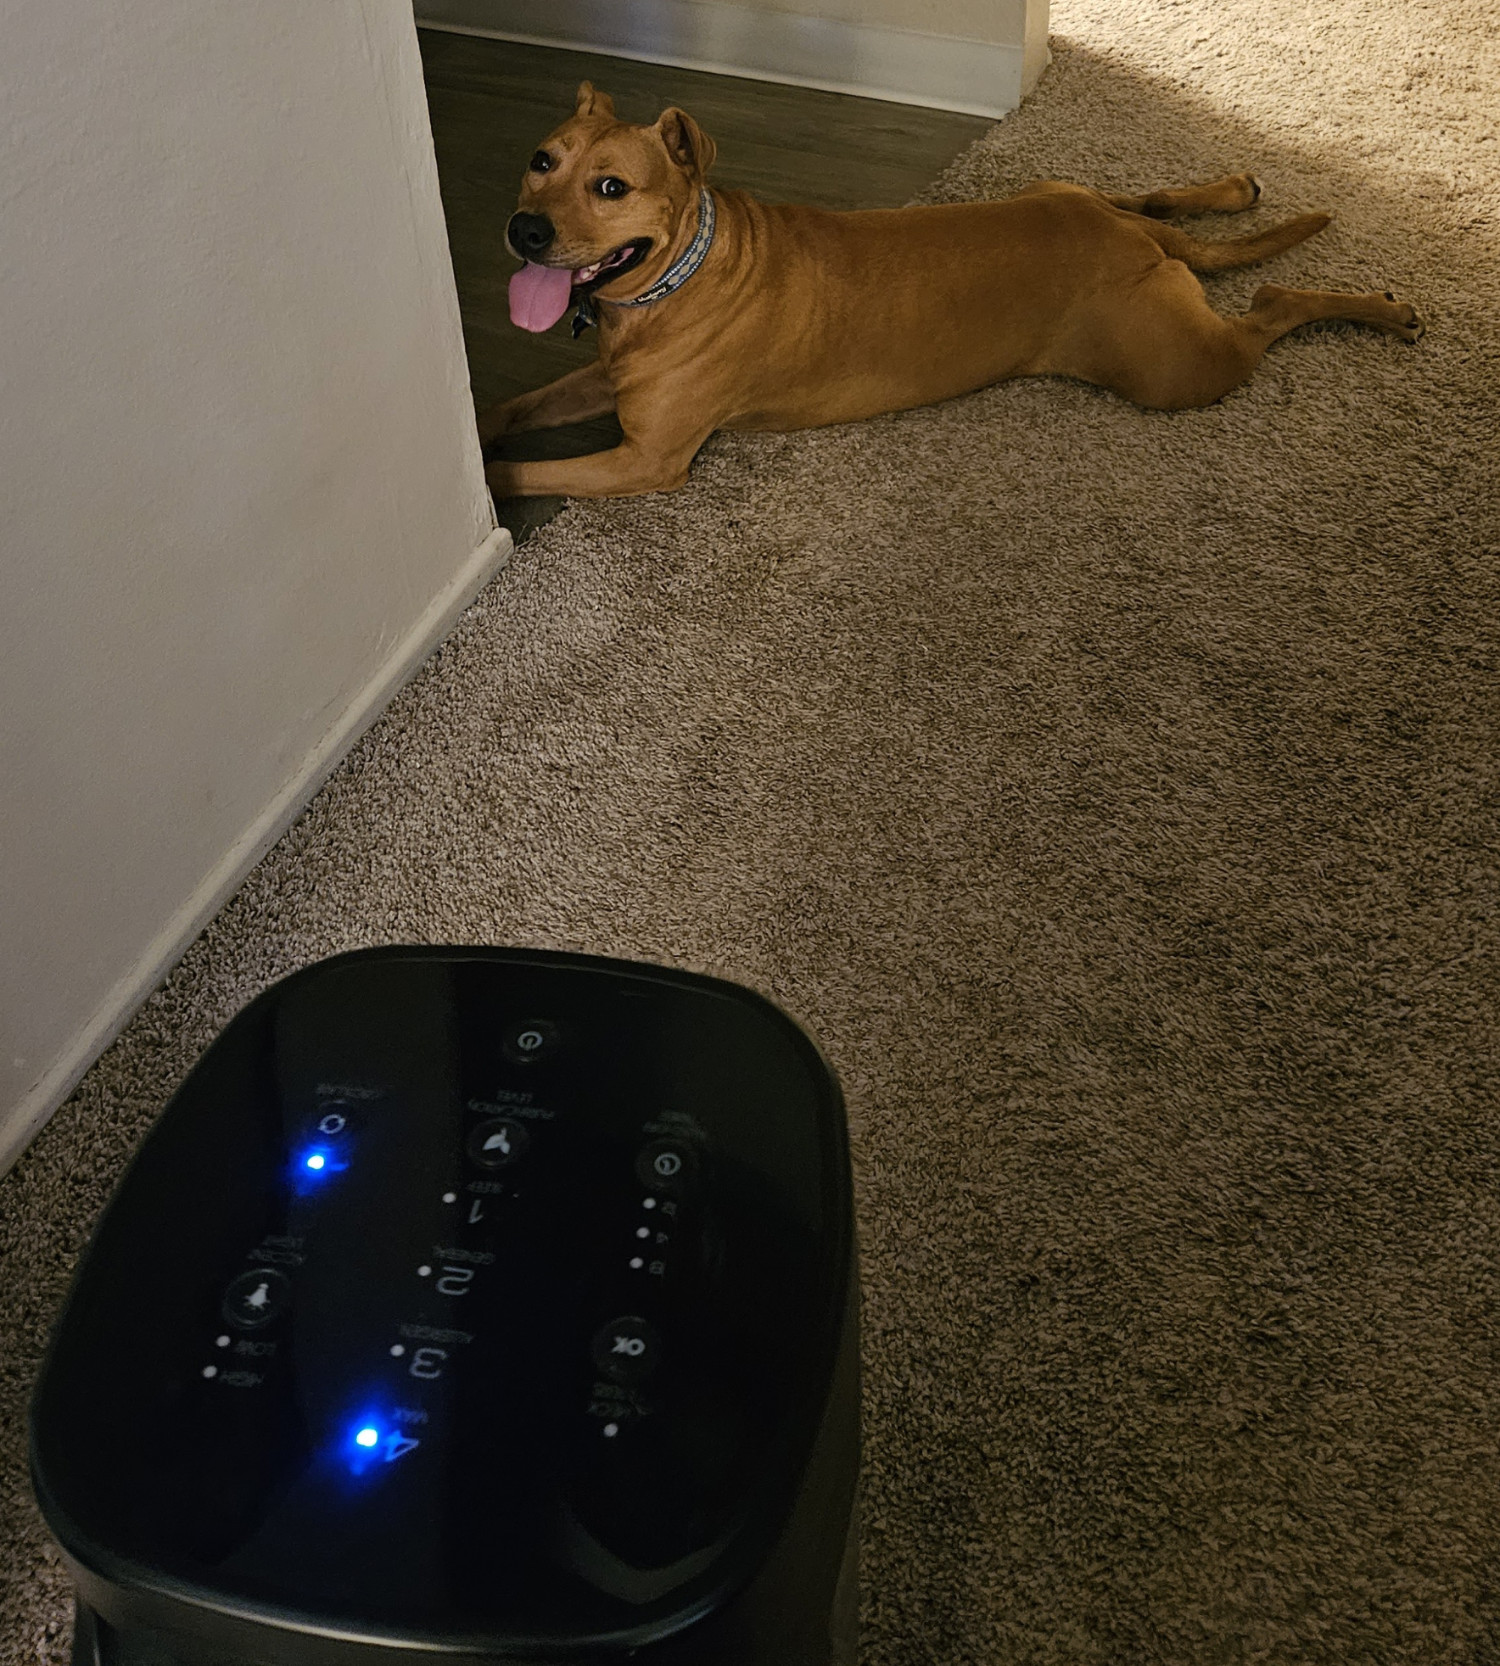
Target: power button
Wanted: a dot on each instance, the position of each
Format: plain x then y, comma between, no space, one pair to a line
529,1041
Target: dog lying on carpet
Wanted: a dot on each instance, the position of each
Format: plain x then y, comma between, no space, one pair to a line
715,310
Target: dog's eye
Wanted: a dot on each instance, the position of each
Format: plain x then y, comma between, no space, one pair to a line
611,187
541,163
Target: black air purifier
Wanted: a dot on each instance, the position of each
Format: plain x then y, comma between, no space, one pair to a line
477,1305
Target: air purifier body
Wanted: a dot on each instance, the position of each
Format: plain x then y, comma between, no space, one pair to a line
470,1305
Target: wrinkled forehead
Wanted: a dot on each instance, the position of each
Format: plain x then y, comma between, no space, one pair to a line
606,146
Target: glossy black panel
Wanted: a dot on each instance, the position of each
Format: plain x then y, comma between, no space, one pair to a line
462,1293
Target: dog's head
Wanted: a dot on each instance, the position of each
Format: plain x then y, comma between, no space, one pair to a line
605,207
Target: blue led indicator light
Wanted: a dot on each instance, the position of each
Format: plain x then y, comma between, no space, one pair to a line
315,1165
372,1446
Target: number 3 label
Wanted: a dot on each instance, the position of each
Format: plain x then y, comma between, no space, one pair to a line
428,1362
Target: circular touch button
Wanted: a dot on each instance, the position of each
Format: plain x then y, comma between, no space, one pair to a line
497,1142
530,1040
666,1165
332,1118
627,1349
256,1298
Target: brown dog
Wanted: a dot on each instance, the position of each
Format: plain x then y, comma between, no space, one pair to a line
718,311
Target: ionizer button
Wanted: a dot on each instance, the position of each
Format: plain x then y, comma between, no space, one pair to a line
498,1142
255,1298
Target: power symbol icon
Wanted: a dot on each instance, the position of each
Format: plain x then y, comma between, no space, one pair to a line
667,1163
530,1038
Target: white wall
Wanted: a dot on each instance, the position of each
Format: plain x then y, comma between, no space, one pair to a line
979,56
240,490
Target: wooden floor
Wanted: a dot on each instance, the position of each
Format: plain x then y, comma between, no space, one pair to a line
492,101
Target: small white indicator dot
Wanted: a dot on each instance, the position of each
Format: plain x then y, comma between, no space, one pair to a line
315,1161
649,1203
611,1430
210,1370
450,1197
424,1272
643,1232
221,1342
397,1350
635,1261
367,1437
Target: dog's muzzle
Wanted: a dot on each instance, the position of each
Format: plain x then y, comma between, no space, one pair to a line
530,235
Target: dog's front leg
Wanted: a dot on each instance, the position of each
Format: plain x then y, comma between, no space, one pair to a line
581,394
659,445
626,471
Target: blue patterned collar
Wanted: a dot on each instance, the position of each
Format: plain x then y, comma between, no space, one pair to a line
676,275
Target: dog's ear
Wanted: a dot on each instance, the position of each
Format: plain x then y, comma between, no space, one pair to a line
687,144
592,103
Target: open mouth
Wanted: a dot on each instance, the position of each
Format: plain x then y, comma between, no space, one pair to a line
624,259
540,295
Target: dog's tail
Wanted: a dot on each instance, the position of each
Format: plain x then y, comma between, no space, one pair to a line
1235,251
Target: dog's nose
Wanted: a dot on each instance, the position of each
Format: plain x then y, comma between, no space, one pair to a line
530,235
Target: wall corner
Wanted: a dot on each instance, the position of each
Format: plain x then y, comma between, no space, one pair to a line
1035,53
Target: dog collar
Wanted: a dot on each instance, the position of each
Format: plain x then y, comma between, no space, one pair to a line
676,275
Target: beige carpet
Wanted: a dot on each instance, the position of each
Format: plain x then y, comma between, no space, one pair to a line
1115,795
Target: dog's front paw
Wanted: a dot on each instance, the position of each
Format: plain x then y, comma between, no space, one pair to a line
494,424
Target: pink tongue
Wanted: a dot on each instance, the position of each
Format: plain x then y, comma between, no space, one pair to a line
539,295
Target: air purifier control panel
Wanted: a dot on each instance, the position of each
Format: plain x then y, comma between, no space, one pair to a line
461,1282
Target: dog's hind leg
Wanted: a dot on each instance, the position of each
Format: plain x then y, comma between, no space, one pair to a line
1274,311
1223,196
1164,347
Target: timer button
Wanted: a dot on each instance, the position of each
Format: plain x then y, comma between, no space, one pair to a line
627,1349
255,1298
498,1142
530,1040
666,1165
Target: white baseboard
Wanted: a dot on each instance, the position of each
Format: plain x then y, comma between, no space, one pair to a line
177,935
978,78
